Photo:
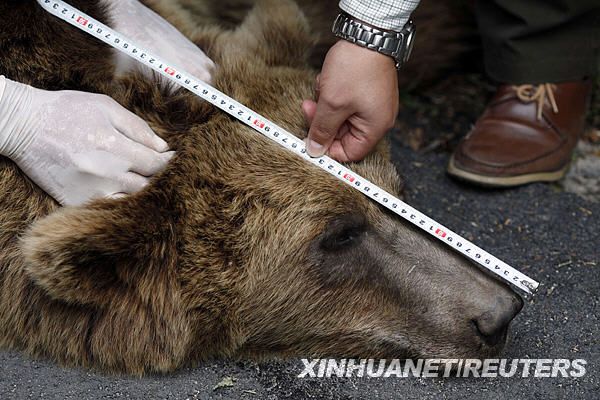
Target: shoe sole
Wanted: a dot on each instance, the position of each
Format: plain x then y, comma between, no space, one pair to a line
508,181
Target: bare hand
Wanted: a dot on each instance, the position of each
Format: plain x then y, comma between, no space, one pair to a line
357,103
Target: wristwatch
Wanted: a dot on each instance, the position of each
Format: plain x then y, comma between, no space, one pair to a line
397,45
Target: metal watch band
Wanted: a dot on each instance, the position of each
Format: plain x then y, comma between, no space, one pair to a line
397,45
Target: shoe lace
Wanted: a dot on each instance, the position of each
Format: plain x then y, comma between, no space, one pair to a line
538,94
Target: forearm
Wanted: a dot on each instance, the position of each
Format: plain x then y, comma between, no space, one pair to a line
384,14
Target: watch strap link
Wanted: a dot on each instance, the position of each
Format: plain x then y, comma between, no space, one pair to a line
397,45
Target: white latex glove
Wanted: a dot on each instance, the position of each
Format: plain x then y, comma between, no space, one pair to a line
155,34
75,145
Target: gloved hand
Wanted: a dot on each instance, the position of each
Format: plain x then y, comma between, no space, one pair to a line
76,145
155,34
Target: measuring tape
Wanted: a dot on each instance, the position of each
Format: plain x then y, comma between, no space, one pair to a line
280,136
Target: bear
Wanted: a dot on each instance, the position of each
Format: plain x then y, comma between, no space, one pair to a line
239,249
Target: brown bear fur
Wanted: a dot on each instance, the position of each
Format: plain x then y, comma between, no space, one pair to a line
222,255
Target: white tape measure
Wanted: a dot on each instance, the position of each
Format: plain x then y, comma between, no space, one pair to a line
279,135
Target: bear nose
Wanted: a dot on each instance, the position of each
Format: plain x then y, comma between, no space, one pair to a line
493,323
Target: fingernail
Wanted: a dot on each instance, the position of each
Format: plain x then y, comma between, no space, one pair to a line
169,155
161,145
315,149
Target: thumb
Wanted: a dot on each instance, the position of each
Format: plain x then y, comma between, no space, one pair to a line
325,125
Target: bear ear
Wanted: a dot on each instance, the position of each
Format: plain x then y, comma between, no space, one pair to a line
93,255
274,31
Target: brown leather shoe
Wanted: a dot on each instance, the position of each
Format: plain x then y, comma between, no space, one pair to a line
527,134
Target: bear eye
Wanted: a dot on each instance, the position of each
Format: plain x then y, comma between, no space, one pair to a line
343,234
347,236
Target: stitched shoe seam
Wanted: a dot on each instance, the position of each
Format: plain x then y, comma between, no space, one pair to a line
463,154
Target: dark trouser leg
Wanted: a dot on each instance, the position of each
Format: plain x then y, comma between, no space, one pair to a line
536,41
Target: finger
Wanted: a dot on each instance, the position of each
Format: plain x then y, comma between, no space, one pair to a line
325,126
116,196
337,152
131,182
309,108
354,147
344,130
143,160
136,129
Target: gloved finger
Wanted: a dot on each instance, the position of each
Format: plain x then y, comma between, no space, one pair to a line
116,196
136,128
131,182
198,64
143,160
326,124
100,162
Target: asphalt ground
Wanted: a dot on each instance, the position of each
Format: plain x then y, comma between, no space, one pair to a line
546,232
